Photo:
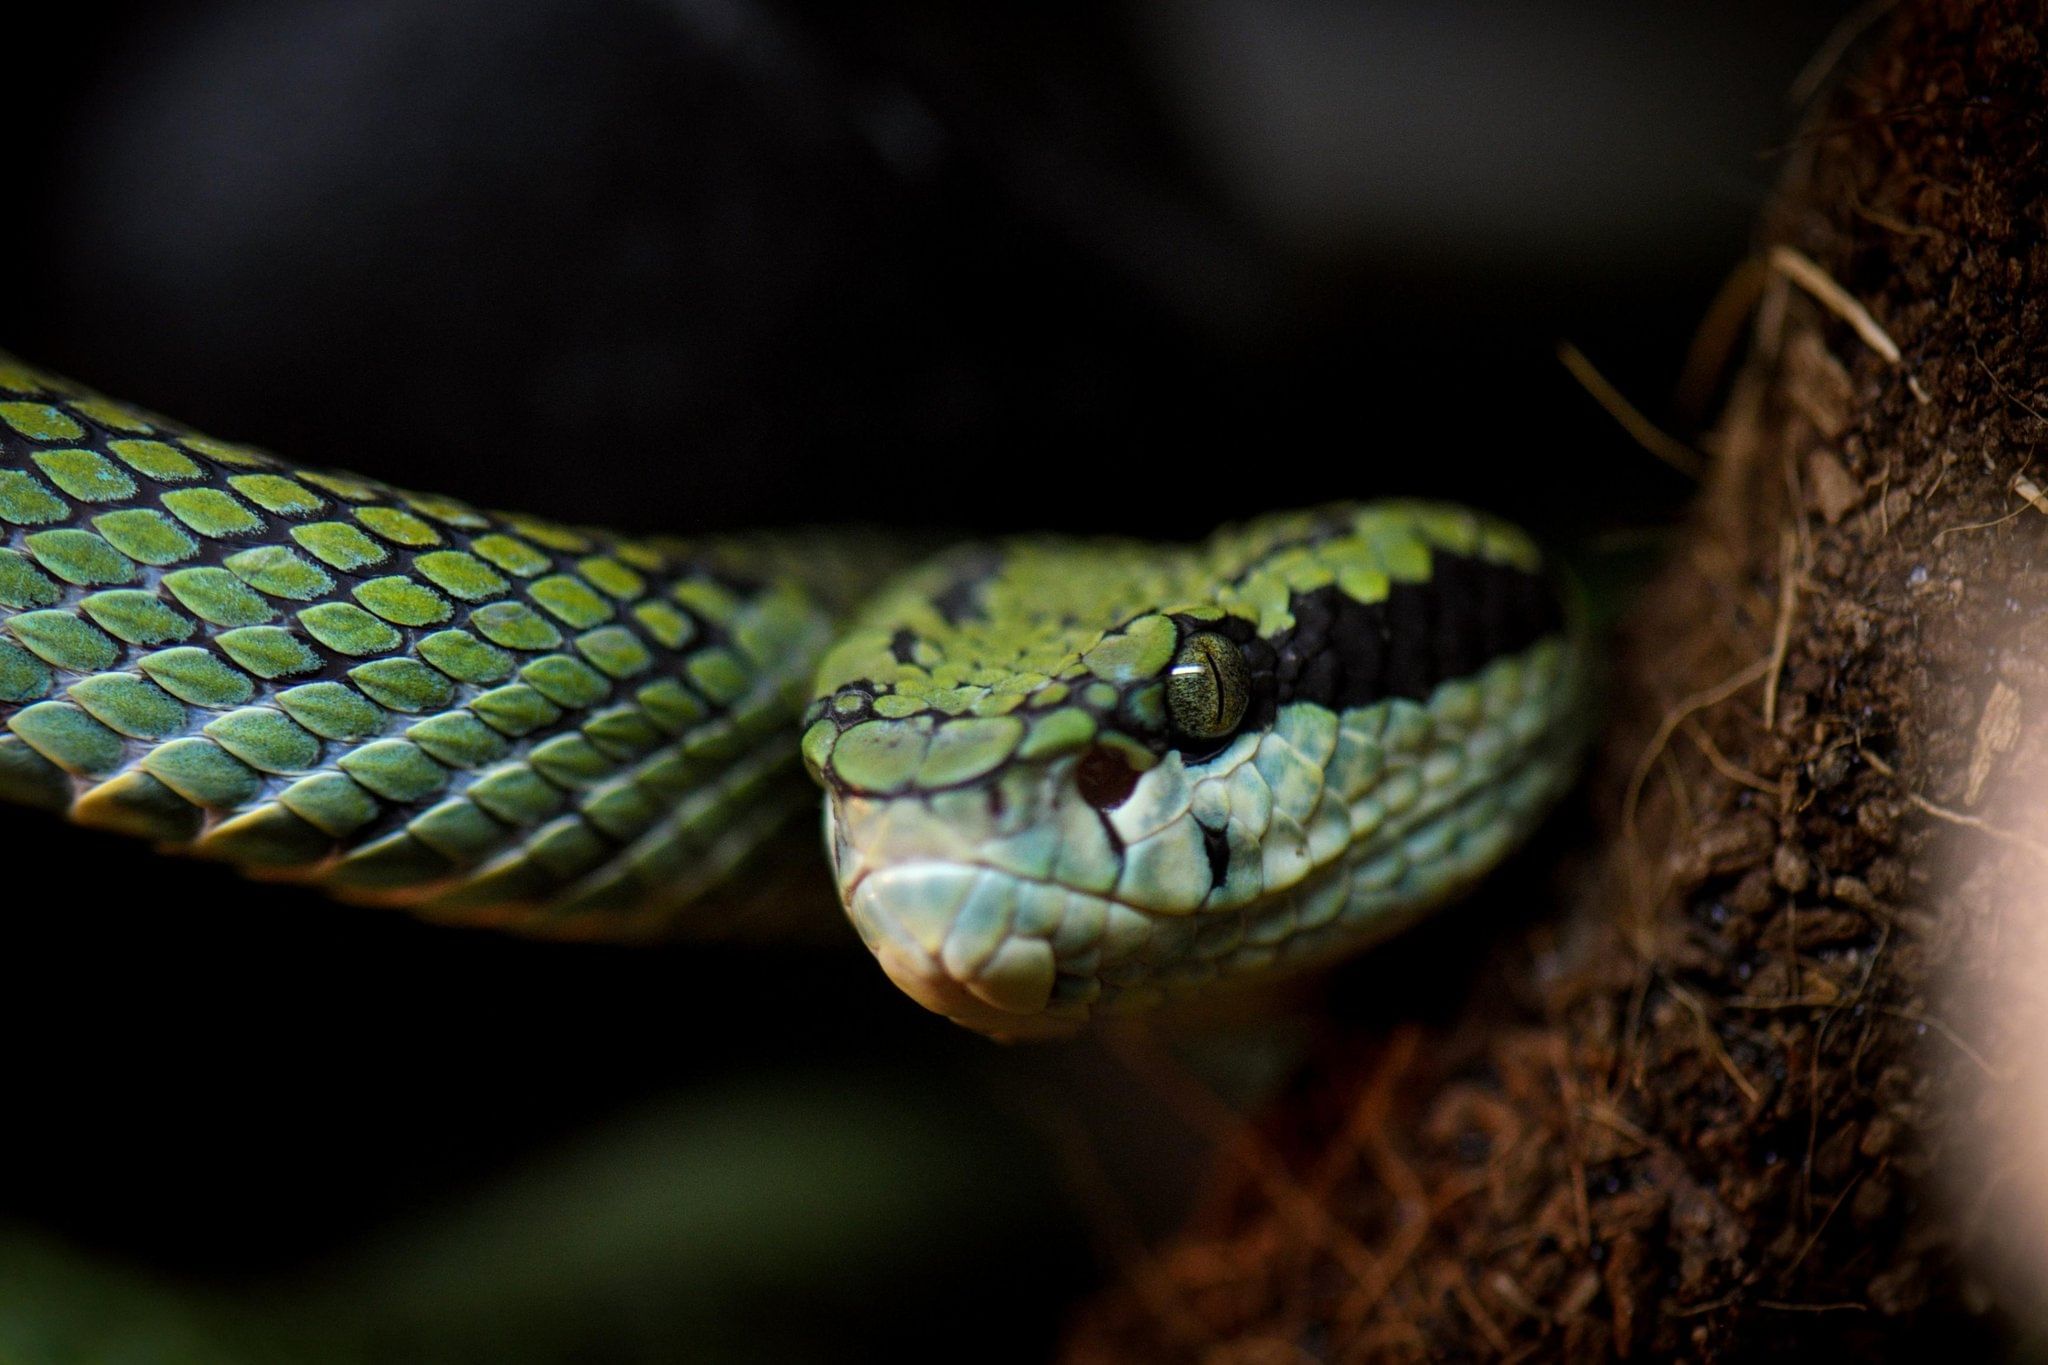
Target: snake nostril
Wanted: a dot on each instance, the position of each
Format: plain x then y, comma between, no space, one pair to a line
1105,777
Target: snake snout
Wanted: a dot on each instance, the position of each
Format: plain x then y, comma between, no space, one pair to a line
943,933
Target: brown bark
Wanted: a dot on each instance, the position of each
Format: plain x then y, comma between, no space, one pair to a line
1710,1108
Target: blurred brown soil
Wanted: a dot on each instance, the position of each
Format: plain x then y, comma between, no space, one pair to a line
1697,1112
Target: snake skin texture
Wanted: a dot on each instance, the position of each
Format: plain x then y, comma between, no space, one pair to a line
482,717
1063,778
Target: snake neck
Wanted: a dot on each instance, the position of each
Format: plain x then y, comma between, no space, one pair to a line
400,698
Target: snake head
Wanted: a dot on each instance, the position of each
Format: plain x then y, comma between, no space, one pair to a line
1082,777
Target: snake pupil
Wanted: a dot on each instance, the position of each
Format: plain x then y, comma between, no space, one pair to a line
1208,687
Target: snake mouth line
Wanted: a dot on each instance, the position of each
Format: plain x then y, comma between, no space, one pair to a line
948,935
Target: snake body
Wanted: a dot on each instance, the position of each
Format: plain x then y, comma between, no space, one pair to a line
1062,777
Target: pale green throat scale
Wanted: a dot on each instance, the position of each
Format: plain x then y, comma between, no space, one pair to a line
1062,778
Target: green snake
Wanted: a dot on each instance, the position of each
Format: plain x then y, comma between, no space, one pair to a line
1063,778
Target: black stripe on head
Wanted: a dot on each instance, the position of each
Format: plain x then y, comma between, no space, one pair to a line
1469,611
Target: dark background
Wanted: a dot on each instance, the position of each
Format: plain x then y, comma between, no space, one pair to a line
704,264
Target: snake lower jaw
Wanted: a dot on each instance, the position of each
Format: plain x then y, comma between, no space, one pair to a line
906,915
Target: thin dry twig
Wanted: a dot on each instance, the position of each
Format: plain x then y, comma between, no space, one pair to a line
1956,817
1802,271
1666,727
1681,800
1800,268
1891,222
1575,1155
1781,633
1718,334
1714,1045
1998,386
1607,1116
1720,762
1813,1237
1628,417
1693,1310
1209,1115
1366,1133
1834,47
1962,1044
1947,531
1685,707
1461,1290
1791,1002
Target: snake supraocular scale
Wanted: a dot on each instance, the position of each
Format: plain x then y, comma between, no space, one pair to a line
1062,777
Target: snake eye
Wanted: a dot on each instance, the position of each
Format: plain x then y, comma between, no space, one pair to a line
1207,687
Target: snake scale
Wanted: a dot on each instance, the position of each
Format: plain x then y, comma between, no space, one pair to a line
1062,778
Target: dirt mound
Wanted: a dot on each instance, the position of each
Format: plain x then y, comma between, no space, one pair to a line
1699,1110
